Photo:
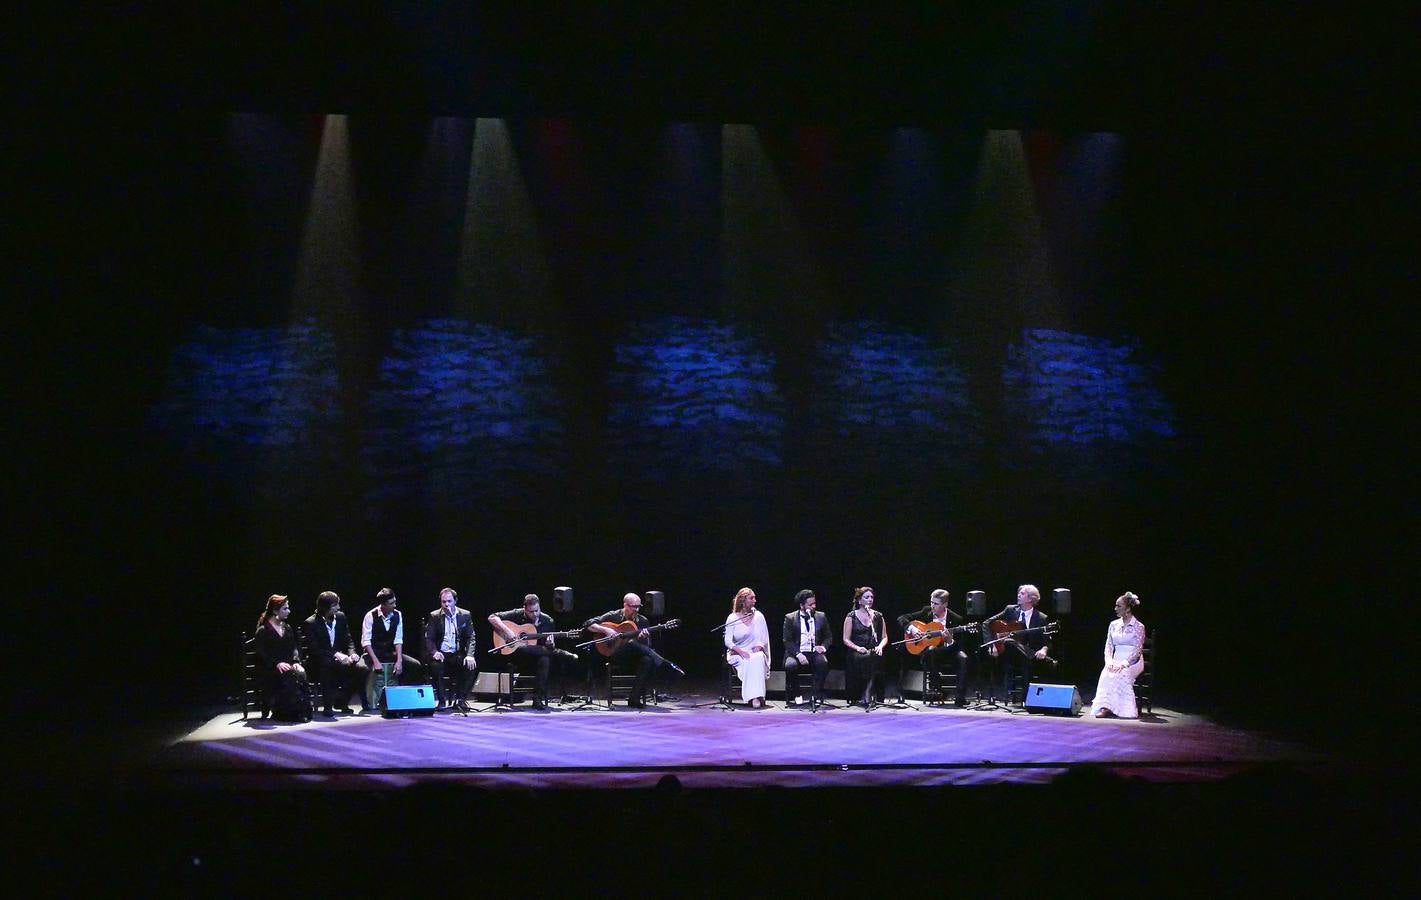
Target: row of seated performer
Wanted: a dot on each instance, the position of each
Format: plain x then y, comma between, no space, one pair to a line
807,638
449,646
1024,654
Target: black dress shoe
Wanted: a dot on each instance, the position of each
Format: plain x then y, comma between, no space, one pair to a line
540,704
566,654
636,703
675,668
344,710
328,713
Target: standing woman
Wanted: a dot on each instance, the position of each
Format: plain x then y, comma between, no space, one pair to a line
747,646
283,680
1124,661
865,637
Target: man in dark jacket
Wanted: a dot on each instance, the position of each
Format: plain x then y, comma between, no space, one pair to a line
950,650
338,666
806,638
449,650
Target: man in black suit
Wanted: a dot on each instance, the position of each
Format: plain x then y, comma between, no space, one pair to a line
1027,657
950,650
806,638
449,650
331,651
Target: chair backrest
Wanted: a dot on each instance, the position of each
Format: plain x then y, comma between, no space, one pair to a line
247,657
1145,683
247,686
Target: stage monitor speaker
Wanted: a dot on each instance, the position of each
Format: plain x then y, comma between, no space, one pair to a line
976,603
657,601
1062,599
562,599
407,700
1057,699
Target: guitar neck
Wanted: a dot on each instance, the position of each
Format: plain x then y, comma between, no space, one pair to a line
523,637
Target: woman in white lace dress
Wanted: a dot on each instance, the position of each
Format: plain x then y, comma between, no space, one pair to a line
1124,661
747,647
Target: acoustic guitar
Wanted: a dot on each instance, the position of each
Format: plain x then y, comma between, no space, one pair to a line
1007,631
934,634
612,644
525,634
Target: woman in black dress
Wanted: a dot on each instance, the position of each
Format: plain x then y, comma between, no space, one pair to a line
283,680
864,637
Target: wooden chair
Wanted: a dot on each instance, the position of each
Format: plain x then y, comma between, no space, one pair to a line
249,690
1145,684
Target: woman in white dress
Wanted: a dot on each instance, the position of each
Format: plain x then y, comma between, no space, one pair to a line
1124,661
747,647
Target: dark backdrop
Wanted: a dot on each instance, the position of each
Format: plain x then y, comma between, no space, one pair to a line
1251,278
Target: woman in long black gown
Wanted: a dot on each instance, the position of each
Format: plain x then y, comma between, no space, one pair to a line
865,636
283,680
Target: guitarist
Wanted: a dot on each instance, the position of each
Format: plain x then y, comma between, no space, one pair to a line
648,660
1029,656
949,650
542,650
449,650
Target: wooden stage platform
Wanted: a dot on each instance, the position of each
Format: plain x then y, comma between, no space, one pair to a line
706,746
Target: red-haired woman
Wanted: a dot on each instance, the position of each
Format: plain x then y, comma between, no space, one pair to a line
279,662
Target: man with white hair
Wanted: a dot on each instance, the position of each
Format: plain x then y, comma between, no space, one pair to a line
1028,656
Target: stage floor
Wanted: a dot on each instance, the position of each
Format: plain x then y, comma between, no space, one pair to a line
713,747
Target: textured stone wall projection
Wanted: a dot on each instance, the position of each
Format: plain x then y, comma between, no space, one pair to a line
692,397
462,409
1075,398
895,396
247,402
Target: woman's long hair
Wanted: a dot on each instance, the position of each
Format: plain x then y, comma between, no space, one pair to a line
273,604
739,599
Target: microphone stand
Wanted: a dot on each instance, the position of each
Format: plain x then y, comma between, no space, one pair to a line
902,658
587,700
873,701
992,671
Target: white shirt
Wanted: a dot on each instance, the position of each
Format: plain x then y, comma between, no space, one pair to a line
806,633
367,628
